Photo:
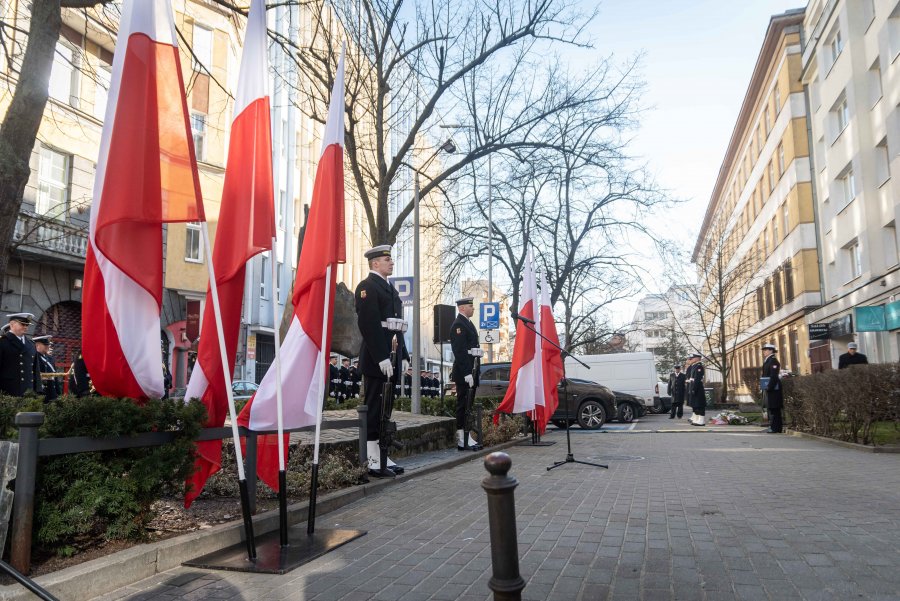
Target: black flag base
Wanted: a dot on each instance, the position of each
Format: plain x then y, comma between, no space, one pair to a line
535,439
272,557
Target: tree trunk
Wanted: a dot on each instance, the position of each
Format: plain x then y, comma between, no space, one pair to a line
18,131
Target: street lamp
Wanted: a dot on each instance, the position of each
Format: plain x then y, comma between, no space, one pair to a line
490,228
416,400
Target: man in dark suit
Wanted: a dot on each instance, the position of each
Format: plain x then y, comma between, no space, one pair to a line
47,365
852,357
20,370
676,391
695,391
466,348
771,374
379,315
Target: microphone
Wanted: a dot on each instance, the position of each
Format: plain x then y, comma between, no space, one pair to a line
523,318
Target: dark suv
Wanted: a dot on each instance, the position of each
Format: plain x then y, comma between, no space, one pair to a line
588,403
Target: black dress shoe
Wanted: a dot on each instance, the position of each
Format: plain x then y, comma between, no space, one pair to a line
770,431
383,473
397,469
475,447
671,417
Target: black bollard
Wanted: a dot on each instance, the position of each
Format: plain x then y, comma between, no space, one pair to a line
506,582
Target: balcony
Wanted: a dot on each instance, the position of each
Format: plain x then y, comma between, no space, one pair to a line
50,240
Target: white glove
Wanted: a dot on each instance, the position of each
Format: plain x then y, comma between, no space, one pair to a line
405,365
386,368
469,380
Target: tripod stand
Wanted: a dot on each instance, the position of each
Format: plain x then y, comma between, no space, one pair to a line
570,457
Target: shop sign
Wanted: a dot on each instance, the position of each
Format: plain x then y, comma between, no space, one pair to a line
818,331
870,319
892,315
842,326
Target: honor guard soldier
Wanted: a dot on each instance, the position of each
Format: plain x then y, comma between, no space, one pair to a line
79,379
20,370
436,383
465,345
355,379
47,365
427,384
334,378
771,378
346,384
379,315
695,391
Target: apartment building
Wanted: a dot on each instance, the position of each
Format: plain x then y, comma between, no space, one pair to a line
756,252
659,317
851,72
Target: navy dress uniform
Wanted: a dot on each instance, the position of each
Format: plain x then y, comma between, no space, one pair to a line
377,301
771,374
346,384
696,392
465,345
20,370
334,378
79,378
355,379
47,365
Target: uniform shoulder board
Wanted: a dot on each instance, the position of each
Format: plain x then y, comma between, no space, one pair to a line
459,330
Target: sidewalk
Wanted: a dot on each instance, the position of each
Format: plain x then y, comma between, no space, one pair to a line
730,514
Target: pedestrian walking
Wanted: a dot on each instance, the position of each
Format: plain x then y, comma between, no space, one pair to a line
676,391
377,302
47,365
695,391
771,380
464,342
20,370
852,357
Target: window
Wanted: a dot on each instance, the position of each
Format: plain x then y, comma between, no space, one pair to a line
889,234
893,33
282,207
198,130
847,184
776,282
101,91
775,229
882,163
835,46
278,269
768,121
760,304
63,84
795,351
777,97
264,278
53,184
768,294
841,117
780,160
785,210
874,83
193,250
788,281
772,179
854,260
202,47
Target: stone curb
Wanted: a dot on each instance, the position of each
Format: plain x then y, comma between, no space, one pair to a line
844,443
117,570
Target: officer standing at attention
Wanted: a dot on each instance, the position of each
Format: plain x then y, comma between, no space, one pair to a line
379,313
20,370
771,369
47,365
851,357
334,378
465,345
695,392
676,391
346,383
355,379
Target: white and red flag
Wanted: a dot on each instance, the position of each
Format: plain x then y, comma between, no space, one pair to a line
246,228
305,350
524,388
551,359
146,176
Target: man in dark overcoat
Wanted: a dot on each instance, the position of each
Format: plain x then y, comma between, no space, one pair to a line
695,391
771,375
676,391
379,315
20,370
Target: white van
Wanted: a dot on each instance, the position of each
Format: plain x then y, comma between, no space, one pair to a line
632,373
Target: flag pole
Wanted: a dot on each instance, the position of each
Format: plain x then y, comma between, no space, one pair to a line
226,372
282,473
314,481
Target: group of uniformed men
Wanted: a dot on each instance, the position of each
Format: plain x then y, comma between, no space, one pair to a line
23,359
429,384
343,381
689,386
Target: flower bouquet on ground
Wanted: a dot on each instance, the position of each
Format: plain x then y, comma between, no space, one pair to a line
729,418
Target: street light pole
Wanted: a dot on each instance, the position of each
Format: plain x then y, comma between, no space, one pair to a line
490,247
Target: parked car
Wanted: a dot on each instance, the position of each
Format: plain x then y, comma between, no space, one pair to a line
241,389
628,407
662,402
586,403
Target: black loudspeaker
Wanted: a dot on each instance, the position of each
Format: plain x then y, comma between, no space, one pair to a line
443,319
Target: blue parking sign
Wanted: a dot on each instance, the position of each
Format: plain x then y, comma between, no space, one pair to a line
404,286
489,316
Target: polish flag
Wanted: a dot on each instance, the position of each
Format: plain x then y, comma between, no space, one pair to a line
246,228
304,354
551,359
146,176
523,392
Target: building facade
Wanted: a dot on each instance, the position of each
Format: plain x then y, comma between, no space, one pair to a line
852,78
756,253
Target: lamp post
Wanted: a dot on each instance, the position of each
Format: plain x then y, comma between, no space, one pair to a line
416,395
490,227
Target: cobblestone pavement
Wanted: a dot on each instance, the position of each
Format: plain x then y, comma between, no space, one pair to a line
726,514
404,420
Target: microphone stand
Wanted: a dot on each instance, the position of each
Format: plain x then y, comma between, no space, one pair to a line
570,457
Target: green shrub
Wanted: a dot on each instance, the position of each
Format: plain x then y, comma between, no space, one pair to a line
9,406
83,498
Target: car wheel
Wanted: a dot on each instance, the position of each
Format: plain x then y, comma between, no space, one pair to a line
591,415
626,413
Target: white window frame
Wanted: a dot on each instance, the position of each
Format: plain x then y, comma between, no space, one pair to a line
777,97
841,113
891,257
847,184
53,178
202,54
264,277
63,83
882,163
835,46
192,237
876,90
199,135
786,214
781,159
854,260
102,82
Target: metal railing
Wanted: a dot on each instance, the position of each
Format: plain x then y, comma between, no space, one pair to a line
45,233
31,448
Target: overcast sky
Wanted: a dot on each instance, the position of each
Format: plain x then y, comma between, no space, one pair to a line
699,55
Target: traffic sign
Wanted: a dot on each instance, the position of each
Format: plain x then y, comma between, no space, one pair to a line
404,287
489,316
488,336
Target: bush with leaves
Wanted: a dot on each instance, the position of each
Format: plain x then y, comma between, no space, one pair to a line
84,498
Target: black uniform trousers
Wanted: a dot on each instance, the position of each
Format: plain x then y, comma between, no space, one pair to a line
463,391
374,396
677,406
775,419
